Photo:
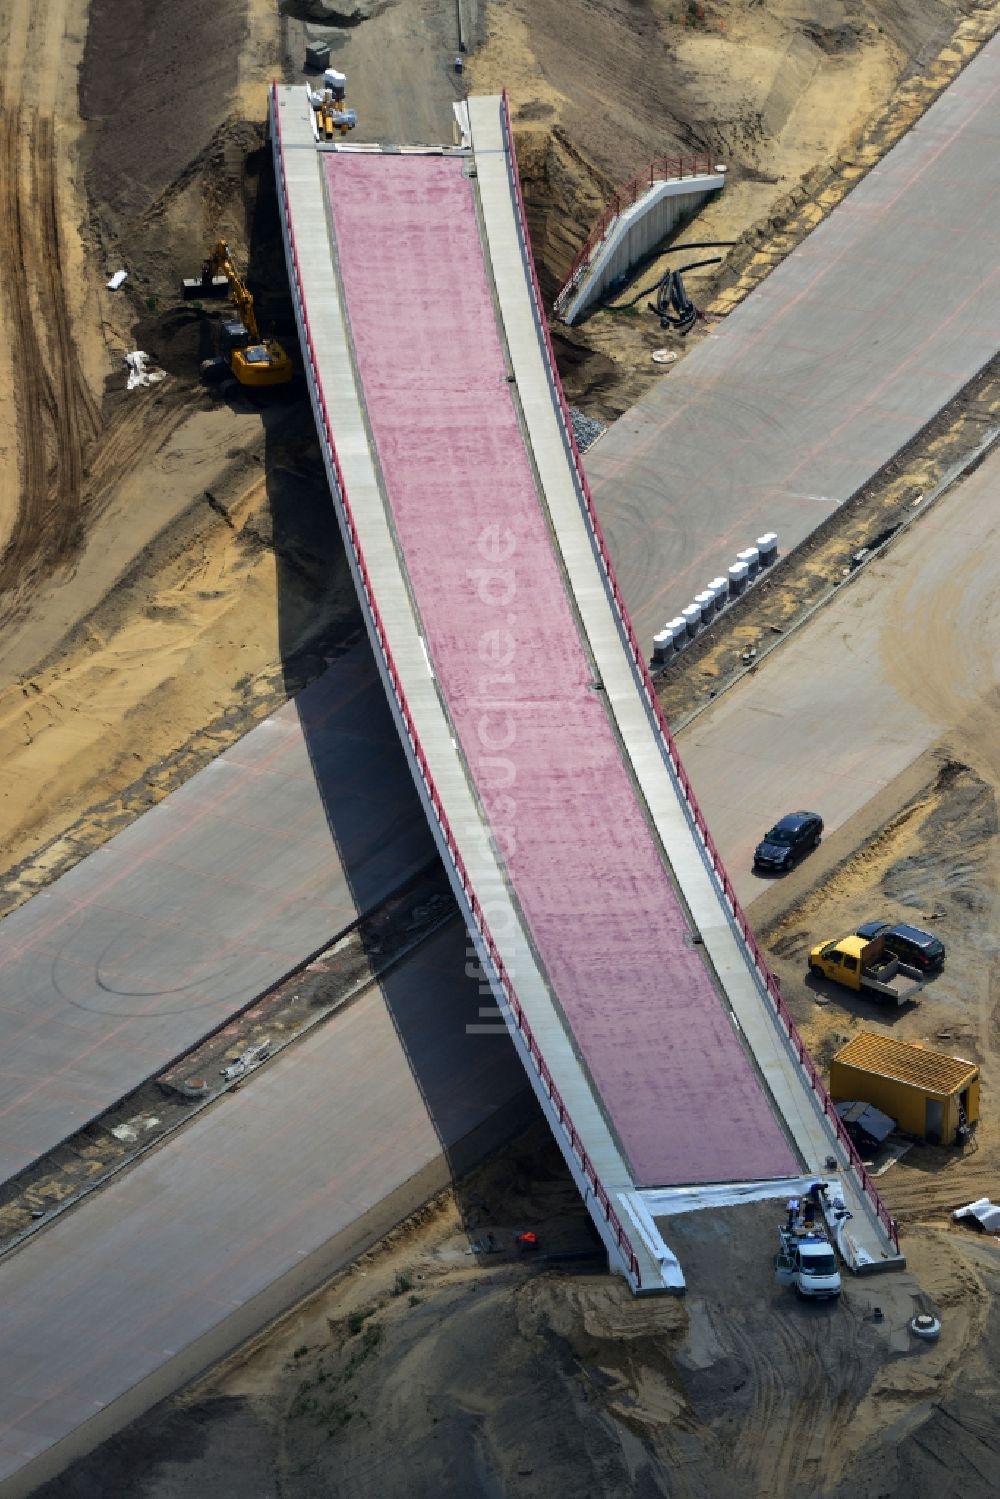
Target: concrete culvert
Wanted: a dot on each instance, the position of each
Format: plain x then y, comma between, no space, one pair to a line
926,1327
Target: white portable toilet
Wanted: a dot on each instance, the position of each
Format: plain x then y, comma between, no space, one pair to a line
692,619
678,629
706,603
663,645
335,82
737,579
720,587
752,559
767,548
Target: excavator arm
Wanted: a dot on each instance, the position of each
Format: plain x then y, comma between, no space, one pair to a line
259,361
220,263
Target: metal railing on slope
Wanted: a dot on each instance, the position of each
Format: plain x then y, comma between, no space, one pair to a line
714,858
664,169
378,629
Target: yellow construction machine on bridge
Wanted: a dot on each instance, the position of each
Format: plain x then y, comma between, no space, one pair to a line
333,117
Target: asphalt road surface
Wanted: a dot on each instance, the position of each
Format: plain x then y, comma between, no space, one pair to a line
202,904
833,364
906,651
245,1195
400,66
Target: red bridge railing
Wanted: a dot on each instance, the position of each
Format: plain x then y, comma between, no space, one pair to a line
642,670
379,632
664,169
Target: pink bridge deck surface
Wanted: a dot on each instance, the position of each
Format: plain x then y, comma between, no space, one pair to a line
681,1094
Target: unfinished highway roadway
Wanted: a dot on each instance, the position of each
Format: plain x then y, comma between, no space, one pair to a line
905,660
248,1207
179,922
808,388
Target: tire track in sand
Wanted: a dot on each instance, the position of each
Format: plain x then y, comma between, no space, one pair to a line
69,460
57,416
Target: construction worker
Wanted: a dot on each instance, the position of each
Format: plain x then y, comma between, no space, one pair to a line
792,1209
818,1194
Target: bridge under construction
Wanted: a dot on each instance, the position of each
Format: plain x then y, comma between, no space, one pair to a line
609,938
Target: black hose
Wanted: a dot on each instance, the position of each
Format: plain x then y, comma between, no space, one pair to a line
694,264
653,286
673,306
701,244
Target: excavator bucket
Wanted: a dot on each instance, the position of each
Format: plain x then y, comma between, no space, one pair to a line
195,286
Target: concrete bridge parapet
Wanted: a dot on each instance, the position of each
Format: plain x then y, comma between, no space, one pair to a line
632,232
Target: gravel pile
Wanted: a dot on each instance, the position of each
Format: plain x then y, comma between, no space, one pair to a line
585,429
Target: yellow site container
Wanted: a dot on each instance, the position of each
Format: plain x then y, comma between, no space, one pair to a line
925,1091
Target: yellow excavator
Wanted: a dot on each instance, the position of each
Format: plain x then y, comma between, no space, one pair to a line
251,359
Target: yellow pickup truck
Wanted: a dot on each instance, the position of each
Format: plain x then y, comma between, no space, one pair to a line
864,963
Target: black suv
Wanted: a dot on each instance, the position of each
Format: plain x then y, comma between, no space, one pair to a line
788,840
908,943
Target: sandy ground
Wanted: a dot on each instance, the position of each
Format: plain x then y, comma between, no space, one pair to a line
429,1370
171,559
50,413
171,562
778,93
190,609
770,91
936,863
